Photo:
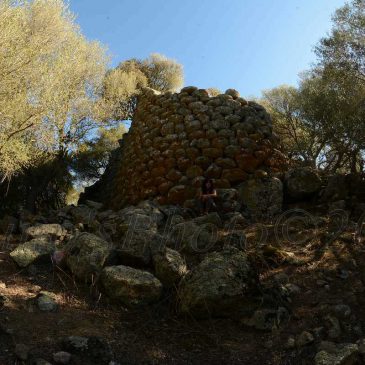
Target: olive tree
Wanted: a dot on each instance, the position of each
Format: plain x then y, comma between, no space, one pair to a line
49,79
123,84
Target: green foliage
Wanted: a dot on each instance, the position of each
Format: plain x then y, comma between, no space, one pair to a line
322,122
50,76
93,155
123,84
163,74
298,138
40,187
334,105
343,50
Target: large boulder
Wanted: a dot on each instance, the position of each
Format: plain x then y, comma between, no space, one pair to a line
82,214
224,283
51,230
234,221
342,187
193,238
336,189
228,201
169,267
94,205
144,215
138,244
337,354
302,182
211,218
86,254
262,197
152,210
130,286
33,251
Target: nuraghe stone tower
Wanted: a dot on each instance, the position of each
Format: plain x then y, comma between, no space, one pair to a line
177,139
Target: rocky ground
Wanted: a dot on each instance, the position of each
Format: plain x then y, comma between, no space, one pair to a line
287,291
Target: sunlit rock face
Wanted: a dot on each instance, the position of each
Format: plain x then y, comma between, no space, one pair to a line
178,139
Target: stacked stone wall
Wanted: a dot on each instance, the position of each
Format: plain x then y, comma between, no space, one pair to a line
178,139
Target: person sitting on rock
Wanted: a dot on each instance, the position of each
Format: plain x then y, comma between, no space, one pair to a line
207,194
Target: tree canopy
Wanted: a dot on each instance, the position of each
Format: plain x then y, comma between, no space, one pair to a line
50,76
123,84
322,121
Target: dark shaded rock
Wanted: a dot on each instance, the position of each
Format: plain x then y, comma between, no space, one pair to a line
262,197
130,286
302,182
33,251
90,348
267,319
86,255
169,267
222,284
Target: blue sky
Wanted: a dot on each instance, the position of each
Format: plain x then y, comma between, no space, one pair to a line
249,45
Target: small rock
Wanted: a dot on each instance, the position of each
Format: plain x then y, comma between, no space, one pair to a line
94,205
211,218
318,332
3,299
321,282
361,344
358,330
292,289
342,310
290,343
76,343
46,303
93,348
41,362
32,270
232,92
21,351
281,278
59,258
68,225
334,328
343,274
236,239
235,221
62,357
305,338
267,319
